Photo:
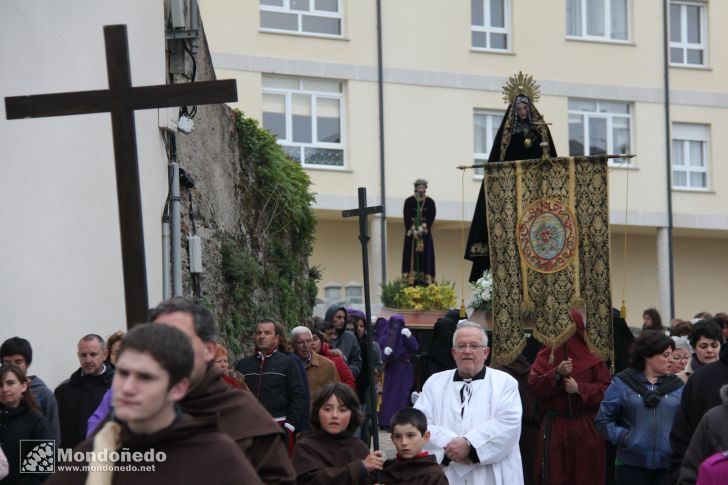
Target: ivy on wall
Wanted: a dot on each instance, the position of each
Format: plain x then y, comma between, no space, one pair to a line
266,268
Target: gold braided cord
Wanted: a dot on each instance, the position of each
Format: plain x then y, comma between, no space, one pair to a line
462,245
623,308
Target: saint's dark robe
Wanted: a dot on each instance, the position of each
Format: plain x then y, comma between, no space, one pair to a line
513,147
320,457
419,261
245,420
420,470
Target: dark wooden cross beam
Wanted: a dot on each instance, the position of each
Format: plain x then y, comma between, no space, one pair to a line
121,100
362,212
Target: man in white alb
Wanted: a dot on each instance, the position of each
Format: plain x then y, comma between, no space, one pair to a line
473,415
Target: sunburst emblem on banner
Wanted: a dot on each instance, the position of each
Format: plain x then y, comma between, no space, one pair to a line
521,83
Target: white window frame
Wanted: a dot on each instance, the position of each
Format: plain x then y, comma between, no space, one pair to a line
286,8
315,95
493,120
609,117
687,132
488,29
607,37
684,45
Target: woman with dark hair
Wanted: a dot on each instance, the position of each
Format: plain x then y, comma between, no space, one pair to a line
330,453
19,420
651,320
113,343
638,409
705,339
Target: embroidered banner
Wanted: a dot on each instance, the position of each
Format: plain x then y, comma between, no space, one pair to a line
548,224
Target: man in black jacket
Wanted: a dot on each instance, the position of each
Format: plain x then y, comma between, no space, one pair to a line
701,393
79,396
274,378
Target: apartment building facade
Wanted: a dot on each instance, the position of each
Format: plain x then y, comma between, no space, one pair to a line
647,77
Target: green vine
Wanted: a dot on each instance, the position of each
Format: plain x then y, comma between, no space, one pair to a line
267,269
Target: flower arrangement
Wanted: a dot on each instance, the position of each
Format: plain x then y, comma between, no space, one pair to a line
435,296
482,292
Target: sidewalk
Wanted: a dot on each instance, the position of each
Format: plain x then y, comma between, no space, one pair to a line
386,445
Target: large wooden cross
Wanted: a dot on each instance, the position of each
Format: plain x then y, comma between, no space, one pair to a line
121,100
362,212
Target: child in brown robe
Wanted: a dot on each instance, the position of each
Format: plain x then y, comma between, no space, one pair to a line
330,454
412,466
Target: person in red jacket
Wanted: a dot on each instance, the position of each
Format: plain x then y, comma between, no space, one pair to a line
324,349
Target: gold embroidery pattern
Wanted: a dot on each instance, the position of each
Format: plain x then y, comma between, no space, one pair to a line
551,293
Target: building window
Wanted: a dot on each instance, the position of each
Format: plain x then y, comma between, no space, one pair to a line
597,19
305,114
689,156
317,17
687,33
354,293
599,128
332,293
490,21
485,127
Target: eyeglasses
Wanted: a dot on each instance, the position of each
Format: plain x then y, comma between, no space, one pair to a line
680,357
462,347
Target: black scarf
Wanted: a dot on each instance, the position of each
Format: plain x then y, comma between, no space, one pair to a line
651,398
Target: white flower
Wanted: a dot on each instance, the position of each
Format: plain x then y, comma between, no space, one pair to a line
482,290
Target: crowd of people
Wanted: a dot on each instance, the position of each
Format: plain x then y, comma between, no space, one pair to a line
298,409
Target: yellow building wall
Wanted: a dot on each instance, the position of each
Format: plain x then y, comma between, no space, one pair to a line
428,121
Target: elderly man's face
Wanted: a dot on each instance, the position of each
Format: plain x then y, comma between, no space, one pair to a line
302,345
469,352
421,189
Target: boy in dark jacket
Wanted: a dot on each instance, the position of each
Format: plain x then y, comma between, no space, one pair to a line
412,466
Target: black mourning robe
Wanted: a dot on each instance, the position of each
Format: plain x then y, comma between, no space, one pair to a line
321,458
419,262
477,249
420,470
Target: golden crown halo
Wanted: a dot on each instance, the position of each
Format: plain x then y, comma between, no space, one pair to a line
521,84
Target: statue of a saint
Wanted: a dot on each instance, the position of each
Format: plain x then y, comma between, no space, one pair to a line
418,255
522,135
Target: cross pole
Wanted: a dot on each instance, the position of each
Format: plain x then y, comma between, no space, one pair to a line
121,100
362,212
